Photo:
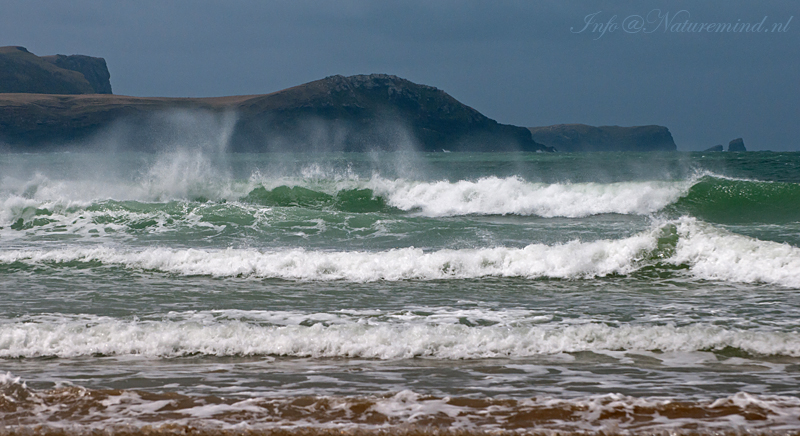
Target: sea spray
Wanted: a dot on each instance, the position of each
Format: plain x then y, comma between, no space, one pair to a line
192,175
191,293
513,195
186,176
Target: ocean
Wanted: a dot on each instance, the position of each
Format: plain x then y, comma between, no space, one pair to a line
192,291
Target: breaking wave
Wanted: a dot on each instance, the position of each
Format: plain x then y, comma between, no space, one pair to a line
514,196
708,197
707,251
387,336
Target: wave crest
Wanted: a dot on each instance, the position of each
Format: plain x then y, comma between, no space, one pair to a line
707,251
366,337
515,196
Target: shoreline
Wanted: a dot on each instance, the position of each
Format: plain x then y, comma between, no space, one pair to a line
78,411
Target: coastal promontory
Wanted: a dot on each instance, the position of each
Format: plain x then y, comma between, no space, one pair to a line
23,72
337,113
64,102
581,137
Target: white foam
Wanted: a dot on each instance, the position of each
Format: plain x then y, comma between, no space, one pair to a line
183,175
571,260
711,253
353,336
9,379
716,254
513,195
129,410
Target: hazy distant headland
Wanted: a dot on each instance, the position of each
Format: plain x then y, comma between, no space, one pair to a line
580,137
23,72
63,102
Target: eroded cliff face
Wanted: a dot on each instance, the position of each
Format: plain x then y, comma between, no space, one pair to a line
23,72
580,137
94,70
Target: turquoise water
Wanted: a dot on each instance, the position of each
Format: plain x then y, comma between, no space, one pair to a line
453,290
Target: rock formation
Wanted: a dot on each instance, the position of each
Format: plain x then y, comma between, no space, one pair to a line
580,137
23,72
94,70
357,113
736,145
367,111
717,147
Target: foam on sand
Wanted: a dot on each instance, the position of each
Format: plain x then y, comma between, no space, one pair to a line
406,412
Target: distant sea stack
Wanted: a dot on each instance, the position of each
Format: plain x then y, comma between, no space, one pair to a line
580,137
715,148
23,72
356,113
736,145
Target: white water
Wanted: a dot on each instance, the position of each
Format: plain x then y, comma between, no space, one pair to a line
513,195
571,260
394,336
715,254
608,413
185,176
663,329
709,252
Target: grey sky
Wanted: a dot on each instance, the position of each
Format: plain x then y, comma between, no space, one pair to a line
516,62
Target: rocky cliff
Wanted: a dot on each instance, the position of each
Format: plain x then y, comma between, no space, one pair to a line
580,137
357,113
94,70
23,72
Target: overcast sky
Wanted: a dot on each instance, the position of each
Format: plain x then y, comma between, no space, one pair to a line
528,63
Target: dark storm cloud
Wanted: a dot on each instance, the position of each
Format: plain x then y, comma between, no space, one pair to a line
517,62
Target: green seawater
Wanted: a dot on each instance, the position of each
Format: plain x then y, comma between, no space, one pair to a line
490,275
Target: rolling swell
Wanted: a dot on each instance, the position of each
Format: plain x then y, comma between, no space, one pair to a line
484,196
709,197
723,200
131,207
451,335
192,294
707,252
281,208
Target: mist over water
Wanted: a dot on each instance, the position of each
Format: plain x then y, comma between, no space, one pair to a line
636,292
